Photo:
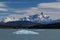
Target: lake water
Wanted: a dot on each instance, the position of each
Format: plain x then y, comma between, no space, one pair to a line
44,34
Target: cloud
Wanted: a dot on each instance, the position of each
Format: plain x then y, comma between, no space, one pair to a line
25,32
50,8
3,9
40,7
2,4
58,0
19,11
54,5
29,11
32,10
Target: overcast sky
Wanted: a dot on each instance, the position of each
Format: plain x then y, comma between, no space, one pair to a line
29,7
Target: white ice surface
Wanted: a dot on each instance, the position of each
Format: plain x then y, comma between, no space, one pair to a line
25,32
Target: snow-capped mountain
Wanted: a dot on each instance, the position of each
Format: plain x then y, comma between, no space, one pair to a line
39,18
7,19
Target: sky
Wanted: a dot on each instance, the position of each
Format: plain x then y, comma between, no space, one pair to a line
21,8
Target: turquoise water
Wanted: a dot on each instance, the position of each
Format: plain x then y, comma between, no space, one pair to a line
44,34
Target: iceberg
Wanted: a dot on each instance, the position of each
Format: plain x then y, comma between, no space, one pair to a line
25,32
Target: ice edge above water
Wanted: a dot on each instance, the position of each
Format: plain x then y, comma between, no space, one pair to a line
25,32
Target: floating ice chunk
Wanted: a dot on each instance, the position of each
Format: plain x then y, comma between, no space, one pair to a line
25,32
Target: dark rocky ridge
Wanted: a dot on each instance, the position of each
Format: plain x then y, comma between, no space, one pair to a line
29,25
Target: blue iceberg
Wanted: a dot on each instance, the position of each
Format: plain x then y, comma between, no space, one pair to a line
25,32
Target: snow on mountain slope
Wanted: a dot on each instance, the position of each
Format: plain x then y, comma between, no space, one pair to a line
40,18
7,19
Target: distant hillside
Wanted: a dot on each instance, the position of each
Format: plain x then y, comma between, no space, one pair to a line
19,24
47,26
29,25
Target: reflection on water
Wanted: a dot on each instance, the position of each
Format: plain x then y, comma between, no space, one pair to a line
44,34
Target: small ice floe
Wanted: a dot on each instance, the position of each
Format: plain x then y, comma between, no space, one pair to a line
25,32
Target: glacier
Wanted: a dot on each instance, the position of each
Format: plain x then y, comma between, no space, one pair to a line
25,32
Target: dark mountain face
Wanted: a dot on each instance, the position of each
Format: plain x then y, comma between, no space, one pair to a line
21,23
28,25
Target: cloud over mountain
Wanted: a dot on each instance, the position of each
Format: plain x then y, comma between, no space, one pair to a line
52,8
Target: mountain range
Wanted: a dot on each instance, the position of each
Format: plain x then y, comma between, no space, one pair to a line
38,18
28,21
